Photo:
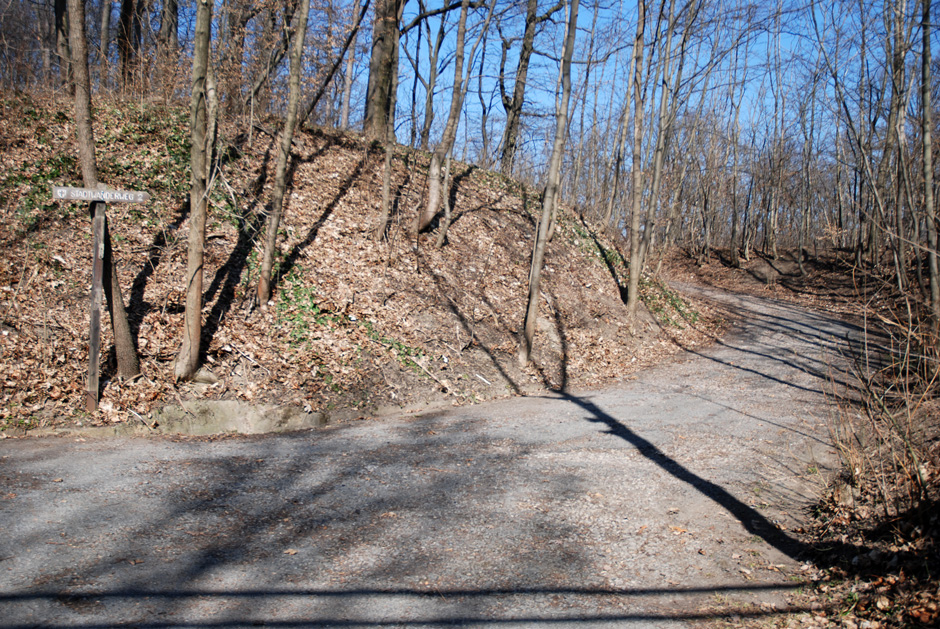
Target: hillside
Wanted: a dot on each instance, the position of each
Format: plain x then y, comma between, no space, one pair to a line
358,327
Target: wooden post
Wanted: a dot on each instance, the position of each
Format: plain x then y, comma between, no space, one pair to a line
97,209
99,199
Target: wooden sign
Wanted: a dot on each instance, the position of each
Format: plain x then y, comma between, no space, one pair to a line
62,193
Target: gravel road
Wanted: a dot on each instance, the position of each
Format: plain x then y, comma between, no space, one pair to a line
663,502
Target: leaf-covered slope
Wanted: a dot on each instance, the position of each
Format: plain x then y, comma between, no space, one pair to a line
357,326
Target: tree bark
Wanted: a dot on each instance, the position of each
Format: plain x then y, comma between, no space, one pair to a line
554,176
450,130
283,155
169,27
433,55
62,36
83,128
187,361
168,45
926,130
461,84
126,45
385,37
104,62
127,362
348,76
633,284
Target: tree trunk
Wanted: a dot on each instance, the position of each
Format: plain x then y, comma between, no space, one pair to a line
127,363
554,176
350,38
283,155
169,27
513,105
83,128
129,38
385,37
187,362
633,284
926,129
62,36
442,235
105,44
348,77
461,84
450,130
168,46
433,55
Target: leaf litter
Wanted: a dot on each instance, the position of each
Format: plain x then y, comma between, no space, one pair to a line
358,327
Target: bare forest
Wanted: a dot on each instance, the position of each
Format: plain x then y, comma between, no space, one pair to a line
354,200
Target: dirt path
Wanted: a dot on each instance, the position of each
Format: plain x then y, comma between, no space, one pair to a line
664,501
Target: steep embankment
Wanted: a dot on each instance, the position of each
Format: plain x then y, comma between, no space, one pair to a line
357,326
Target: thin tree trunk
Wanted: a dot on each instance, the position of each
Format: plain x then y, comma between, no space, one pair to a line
513,105
926,130
461,84
548,198
433,56
62,36
283,156
621,142
382,225
450,130
348,79
83,127
633,284
127,362
442,235
103,59
339,60
187,361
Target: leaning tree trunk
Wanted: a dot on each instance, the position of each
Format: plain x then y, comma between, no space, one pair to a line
450,130
461,83
283,155
513,105
548,198
187,362
127,362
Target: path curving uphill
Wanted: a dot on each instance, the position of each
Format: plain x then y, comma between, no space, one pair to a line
665,501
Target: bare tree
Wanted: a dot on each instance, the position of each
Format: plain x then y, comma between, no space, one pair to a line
62,42
548,196
187,361
513,104
283,156
450,130
461,84
382,66
926,113
127,362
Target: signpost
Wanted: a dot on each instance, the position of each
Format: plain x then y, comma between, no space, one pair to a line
99,200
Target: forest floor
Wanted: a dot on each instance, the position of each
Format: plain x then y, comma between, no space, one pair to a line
358,326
